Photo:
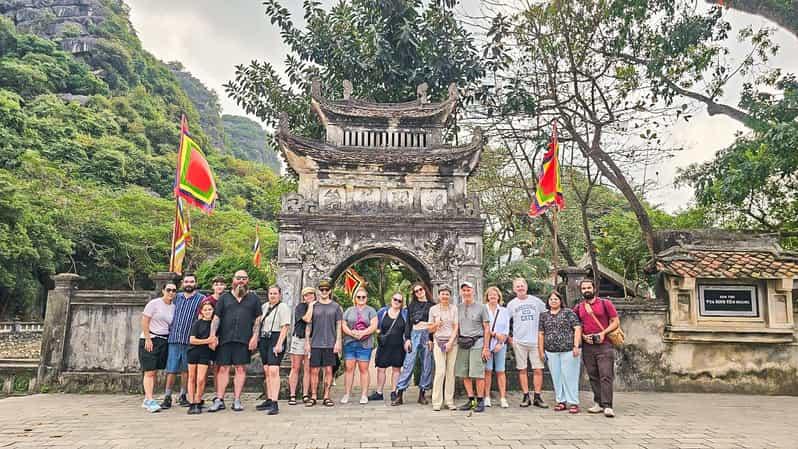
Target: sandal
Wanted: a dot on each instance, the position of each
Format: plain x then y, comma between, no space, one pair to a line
560,407
328,402
306,398
574,409
310,403
292,400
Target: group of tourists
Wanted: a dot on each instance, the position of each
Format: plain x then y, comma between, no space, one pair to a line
187,333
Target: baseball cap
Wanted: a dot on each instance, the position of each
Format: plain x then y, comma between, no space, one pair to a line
307,290
466,284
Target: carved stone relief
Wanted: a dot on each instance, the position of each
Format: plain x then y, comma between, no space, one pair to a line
401,199
365,198
331,198
433,200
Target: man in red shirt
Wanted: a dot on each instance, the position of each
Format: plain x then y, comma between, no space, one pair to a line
599,318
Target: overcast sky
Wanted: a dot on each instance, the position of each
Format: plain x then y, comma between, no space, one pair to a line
210,37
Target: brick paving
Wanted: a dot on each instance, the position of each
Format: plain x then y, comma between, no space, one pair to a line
645,421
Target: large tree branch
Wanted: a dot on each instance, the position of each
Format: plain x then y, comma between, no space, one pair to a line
713,107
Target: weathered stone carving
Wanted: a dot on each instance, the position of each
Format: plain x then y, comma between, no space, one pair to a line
421,93
347,90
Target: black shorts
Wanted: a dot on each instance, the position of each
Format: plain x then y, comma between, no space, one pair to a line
266,349
390,356
233,353
155,360
199,355
322,357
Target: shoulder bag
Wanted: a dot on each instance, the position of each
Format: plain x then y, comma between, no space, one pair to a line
615,337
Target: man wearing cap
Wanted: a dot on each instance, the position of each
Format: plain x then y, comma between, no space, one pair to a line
472,352
324,344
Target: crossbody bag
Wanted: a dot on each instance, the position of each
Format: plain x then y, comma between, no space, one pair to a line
615,337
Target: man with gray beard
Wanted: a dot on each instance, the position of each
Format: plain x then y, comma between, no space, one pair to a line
236,320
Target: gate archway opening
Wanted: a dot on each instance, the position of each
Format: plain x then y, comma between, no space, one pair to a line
385,271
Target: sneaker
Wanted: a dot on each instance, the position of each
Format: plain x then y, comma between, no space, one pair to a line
152,406
467,406
595,409
191,409
237,407
422,397
274,409
525,402
265,405
167,402
345,399
377,396
217,405
198,409
487,401
183,400
480,406
364,400
393,397
504,403
398,398
436,408
451,406
538,402
609,413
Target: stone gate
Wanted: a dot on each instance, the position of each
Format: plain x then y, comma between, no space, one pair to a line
383,183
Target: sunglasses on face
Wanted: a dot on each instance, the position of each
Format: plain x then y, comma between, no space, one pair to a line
170,290
418,290
324,289
360,297
397,300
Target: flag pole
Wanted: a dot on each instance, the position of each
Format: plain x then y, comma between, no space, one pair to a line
174,237
554,223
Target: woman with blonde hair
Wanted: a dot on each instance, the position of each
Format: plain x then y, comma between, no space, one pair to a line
358,326
499,330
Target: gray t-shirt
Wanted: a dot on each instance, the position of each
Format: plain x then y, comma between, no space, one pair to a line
281,316
352,318
161,315
322,324
472,318
525,315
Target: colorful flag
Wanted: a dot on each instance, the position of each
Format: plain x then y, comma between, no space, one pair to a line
194,178
549,190
352,281
256,256
181,235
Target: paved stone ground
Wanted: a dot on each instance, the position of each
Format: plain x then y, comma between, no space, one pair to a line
645,421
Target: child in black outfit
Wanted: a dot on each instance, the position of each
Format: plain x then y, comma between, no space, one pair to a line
199,355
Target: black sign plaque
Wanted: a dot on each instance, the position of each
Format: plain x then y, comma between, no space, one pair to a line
728,300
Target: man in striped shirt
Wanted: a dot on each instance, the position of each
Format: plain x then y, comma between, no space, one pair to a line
186,305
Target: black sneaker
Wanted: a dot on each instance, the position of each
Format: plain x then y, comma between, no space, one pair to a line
467,406
393,397
525,402
538,402
274,409
376,396
480,406
183,401
265,405
167,402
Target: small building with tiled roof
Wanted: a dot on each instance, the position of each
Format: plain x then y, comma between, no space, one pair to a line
726,286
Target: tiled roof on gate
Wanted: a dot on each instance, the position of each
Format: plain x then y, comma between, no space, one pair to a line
727,264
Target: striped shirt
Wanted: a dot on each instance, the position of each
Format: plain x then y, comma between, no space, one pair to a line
185,315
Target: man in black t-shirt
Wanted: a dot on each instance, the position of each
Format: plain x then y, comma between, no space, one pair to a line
237,319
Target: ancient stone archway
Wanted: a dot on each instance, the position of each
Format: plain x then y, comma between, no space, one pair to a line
382,183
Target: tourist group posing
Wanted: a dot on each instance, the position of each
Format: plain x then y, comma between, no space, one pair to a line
189,334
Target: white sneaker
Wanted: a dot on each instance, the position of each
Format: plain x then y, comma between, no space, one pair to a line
609,413
364,400
345,399
487,401
595,409
504,403
451,406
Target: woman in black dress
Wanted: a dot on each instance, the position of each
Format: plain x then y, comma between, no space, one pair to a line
391,339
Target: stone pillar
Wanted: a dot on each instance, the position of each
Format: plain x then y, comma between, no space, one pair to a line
162,278
56,325
573,276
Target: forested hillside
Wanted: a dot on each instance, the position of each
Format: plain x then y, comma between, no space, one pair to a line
246,139
89,126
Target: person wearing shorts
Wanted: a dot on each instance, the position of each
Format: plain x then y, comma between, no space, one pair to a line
525,311
499,331
186,309
274,324
358,326
218,286
470,364
392,324
324,344
153,345
199,356
237,318
300,359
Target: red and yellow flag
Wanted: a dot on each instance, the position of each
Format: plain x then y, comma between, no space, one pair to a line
549,190
256,255
352,281
181,235
194,179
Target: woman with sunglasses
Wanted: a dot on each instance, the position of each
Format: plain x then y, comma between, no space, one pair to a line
416,339
153,346
358,326
392,321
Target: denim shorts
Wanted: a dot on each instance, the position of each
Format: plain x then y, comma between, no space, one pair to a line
354,350
177,360
496,361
